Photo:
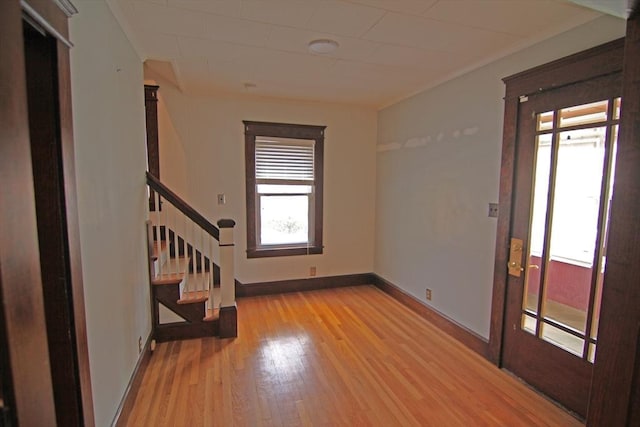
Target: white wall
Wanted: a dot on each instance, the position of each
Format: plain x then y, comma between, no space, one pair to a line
108,114
206,136
438,166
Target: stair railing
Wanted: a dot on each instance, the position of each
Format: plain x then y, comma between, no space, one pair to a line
182,235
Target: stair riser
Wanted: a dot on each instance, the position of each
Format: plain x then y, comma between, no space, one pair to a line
179,331
169,295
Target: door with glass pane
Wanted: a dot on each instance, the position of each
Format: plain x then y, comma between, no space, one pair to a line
565,155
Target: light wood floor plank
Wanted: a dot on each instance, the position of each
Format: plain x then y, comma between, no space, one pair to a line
339,357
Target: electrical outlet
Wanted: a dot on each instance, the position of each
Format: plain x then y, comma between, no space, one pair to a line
428,294
139,345
493,210
312,271
222,199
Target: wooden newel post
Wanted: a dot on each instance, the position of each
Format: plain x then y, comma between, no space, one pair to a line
228,308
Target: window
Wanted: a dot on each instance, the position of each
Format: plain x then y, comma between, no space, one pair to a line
284,167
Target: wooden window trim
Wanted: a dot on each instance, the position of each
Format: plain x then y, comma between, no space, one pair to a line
254,129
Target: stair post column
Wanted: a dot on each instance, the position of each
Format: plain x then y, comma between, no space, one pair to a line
228,307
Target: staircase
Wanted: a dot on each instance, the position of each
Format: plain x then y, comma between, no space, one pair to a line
190,269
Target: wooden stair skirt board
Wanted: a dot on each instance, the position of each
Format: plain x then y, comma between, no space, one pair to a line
192,311
186,330
191,306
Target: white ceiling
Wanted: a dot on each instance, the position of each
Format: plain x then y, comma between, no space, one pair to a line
389,49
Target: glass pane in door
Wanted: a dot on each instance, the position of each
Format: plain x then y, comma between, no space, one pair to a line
566,254
603,256
595,112
538,225
562,339
576,206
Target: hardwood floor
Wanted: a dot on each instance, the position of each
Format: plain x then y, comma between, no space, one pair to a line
338,357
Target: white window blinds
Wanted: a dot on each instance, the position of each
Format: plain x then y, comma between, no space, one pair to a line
284,159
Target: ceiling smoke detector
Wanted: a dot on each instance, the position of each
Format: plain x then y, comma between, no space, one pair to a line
323,46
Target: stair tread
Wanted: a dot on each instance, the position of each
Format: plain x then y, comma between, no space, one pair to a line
168,279
192,297
212,314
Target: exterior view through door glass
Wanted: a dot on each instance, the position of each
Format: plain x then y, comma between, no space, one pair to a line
561,304
564,177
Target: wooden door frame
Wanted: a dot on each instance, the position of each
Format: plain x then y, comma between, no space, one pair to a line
615,389
525,353
598,61
151,117
20,281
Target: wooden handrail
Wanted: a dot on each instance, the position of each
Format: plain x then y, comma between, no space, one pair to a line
183,206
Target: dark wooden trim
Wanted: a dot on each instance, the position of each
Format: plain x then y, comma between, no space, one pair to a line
250,189
183,206
131,392
169,296
152,136
499,294
7,412
459,332
185,330
301,285
228,322
266,253
599,61
633,416
283,130
449,326
41,55
318,166
226,223
634,7
613,401
26,341
151,116
52,14
73,233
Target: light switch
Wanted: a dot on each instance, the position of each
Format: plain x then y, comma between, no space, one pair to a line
222,199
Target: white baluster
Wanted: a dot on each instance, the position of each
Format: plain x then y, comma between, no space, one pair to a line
194,253
212,303
170,226
163,215
185,239
156,204
203,273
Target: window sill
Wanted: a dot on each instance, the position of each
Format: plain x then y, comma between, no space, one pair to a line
276,252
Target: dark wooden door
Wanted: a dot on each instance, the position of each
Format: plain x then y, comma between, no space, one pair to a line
28,392
562,190
46,157
44,366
